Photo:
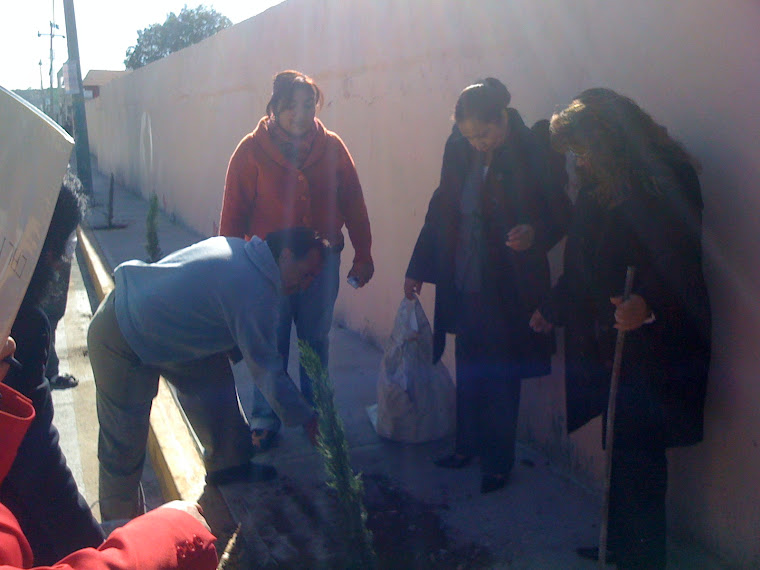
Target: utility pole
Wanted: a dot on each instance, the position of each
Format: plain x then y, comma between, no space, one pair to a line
81,138
52,34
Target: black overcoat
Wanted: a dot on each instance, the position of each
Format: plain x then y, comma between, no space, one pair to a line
665,363
40,489
516,190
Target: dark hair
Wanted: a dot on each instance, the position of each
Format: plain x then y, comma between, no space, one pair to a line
298,240
485,100
284,87
626,146
542,132
68,213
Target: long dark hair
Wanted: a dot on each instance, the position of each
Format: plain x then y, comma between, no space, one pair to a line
68,213
626,148
285,85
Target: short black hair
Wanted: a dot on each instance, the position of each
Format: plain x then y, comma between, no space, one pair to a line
298,240
485,100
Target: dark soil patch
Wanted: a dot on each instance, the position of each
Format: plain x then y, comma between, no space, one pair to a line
286,526
409,533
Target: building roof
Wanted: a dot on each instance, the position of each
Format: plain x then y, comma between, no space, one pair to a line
99,77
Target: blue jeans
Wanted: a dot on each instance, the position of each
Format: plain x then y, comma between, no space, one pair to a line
312,313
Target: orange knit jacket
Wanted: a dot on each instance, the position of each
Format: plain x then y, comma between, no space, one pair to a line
263,192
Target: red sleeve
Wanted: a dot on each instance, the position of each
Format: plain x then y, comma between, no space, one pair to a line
239,191
164,538
14,548
352,205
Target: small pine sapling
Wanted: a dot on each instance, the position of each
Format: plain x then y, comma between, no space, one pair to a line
151,230
333,447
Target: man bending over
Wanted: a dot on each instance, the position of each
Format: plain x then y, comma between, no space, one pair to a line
178,318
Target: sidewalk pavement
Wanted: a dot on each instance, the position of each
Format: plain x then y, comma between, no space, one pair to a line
536,521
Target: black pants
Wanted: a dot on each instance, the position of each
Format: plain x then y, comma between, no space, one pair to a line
40,490
54,306
639,478
488,390
637,526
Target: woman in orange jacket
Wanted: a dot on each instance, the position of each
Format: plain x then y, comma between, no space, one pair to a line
291,171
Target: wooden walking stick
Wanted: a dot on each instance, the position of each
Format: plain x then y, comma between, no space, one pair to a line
231,543
609,436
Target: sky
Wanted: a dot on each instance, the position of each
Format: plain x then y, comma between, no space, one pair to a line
105,30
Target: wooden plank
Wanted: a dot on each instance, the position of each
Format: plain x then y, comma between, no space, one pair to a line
101,277
72,329
173,450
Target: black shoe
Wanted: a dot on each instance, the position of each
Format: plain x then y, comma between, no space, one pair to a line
245,473
63,381
453,461
491,483
592,553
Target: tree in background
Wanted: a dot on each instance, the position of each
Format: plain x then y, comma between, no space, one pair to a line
177,32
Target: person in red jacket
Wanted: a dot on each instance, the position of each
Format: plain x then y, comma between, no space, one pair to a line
291,171
173,536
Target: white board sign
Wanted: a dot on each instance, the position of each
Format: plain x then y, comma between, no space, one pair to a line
34,152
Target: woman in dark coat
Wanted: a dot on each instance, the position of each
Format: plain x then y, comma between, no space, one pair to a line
484,243
640,206
39,488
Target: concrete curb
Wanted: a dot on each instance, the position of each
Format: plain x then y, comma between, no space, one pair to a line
176,458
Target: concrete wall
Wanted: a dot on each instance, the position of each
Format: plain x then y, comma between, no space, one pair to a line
391,72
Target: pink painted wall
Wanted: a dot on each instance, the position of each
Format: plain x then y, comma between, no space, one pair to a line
391,72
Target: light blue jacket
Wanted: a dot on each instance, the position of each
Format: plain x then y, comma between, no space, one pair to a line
205,299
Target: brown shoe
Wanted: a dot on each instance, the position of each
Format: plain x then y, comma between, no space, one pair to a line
263,439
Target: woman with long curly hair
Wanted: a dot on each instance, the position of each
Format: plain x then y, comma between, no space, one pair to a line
641,206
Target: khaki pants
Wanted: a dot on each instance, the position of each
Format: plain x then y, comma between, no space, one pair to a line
125,390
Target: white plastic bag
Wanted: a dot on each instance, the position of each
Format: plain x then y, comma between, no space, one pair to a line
415,398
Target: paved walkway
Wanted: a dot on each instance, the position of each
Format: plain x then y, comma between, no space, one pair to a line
535,522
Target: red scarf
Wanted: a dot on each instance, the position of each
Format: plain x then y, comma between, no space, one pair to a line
295,149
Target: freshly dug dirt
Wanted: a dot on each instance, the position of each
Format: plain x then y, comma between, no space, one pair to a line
408,533
285,526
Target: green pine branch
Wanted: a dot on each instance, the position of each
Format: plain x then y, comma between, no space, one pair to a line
333,447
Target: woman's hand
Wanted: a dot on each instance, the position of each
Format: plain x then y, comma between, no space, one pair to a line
630,314
521,237
539,324
412,287
363,271
7,348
